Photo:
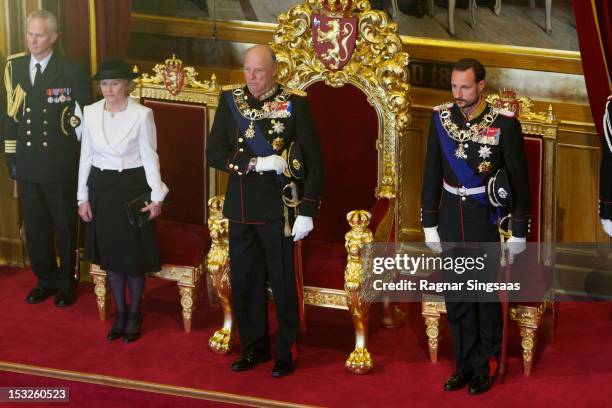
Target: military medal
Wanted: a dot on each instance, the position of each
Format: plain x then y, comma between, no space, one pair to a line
460,152
50,98
62,98
278,127
484,152
250,132
278,144
484,167
56,94
68,92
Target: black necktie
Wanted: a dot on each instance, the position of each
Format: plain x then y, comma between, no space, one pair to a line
37,75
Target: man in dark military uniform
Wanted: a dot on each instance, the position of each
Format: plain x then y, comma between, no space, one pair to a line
472,145
605,174
264,136
44,90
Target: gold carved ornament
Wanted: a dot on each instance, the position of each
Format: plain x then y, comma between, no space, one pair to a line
378,67
175,77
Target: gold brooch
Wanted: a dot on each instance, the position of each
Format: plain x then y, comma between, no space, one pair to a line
484,167
296,164
278,143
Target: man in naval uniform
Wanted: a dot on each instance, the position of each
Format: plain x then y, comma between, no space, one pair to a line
264,136
605,174
44,94
472,143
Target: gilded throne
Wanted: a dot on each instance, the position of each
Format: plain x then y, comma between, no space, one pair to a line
183,107
540,139
349,60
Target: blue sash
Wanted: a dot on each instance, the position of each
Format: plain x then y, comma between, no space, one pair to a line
259,144
465,174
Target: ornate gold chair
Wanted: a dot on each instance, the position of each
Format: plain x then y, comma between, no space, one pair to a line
540,135
359,100
183,107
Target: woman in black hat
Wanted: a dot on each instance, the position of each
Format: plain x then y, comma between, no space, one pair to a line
119,166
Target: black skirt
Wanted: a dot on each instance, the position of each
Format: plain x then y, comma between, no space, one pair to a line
111,241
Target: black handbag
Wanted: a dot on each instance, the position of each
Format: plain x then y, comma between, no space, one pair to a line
136,217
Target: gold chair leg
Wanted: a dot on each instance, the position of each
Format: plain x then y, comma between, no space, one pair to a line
101,291
360,360
432,328
188,299
217,265
221,341
528,341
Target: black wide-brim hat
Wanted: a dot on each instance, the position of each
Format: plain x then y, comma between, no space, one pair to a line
114,69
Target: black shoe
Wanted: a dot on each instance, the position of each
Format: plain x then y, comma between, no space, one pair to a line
249,359
480,384
132,327
457,381
38,294
65,297
118,327
282,368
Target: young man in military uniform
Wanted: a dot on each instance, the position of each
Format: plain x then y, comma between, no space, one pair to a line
264,136
471,145
44,94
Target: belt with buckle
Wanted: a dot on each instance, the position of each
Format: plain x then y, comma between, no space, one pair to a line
463,191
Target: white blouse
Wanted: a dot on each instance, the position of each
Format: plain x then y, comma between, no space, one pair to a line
119,141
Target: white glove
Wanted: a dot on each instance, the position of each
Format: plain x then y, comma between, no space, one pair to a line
301,227
607,226
515,246
432,239
271,163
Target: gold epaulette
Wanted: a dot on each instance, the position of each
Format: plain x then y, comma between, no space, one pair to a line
505,112
297,92
13,56
231,87
444,106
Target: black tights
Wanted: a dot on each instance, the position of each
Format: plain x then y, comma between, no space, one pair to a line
136,287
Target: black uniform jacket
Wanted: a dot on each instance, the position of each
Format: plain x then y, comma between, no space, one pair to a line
254,197
469,220
34,138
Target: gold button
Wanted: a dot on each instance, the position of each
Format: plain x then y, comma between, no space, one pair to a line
261,173
29,143
44,110
462,198
240,139
28,121
45,144
45,133
28,109
240,173
241,150
28,132
44,122
270,131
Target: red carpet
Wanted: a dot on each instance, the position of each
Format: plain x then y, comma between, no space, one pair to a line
575,371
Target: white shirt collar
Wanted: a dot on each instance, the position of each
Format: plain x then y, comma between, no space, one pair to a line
43,63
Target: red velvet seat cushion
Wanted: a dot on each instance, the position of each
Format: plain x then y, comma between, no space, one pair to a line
323,264
181,243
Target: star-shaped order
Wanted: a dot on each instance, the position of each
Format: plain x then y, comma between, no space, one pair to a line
484,152
278,127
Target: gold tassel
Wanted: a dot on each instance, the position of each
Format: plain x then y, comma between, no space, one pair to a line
14,97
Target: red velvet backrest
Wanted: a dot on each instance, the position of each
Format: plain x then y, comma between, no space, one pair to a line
348,128
534,149
181,138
